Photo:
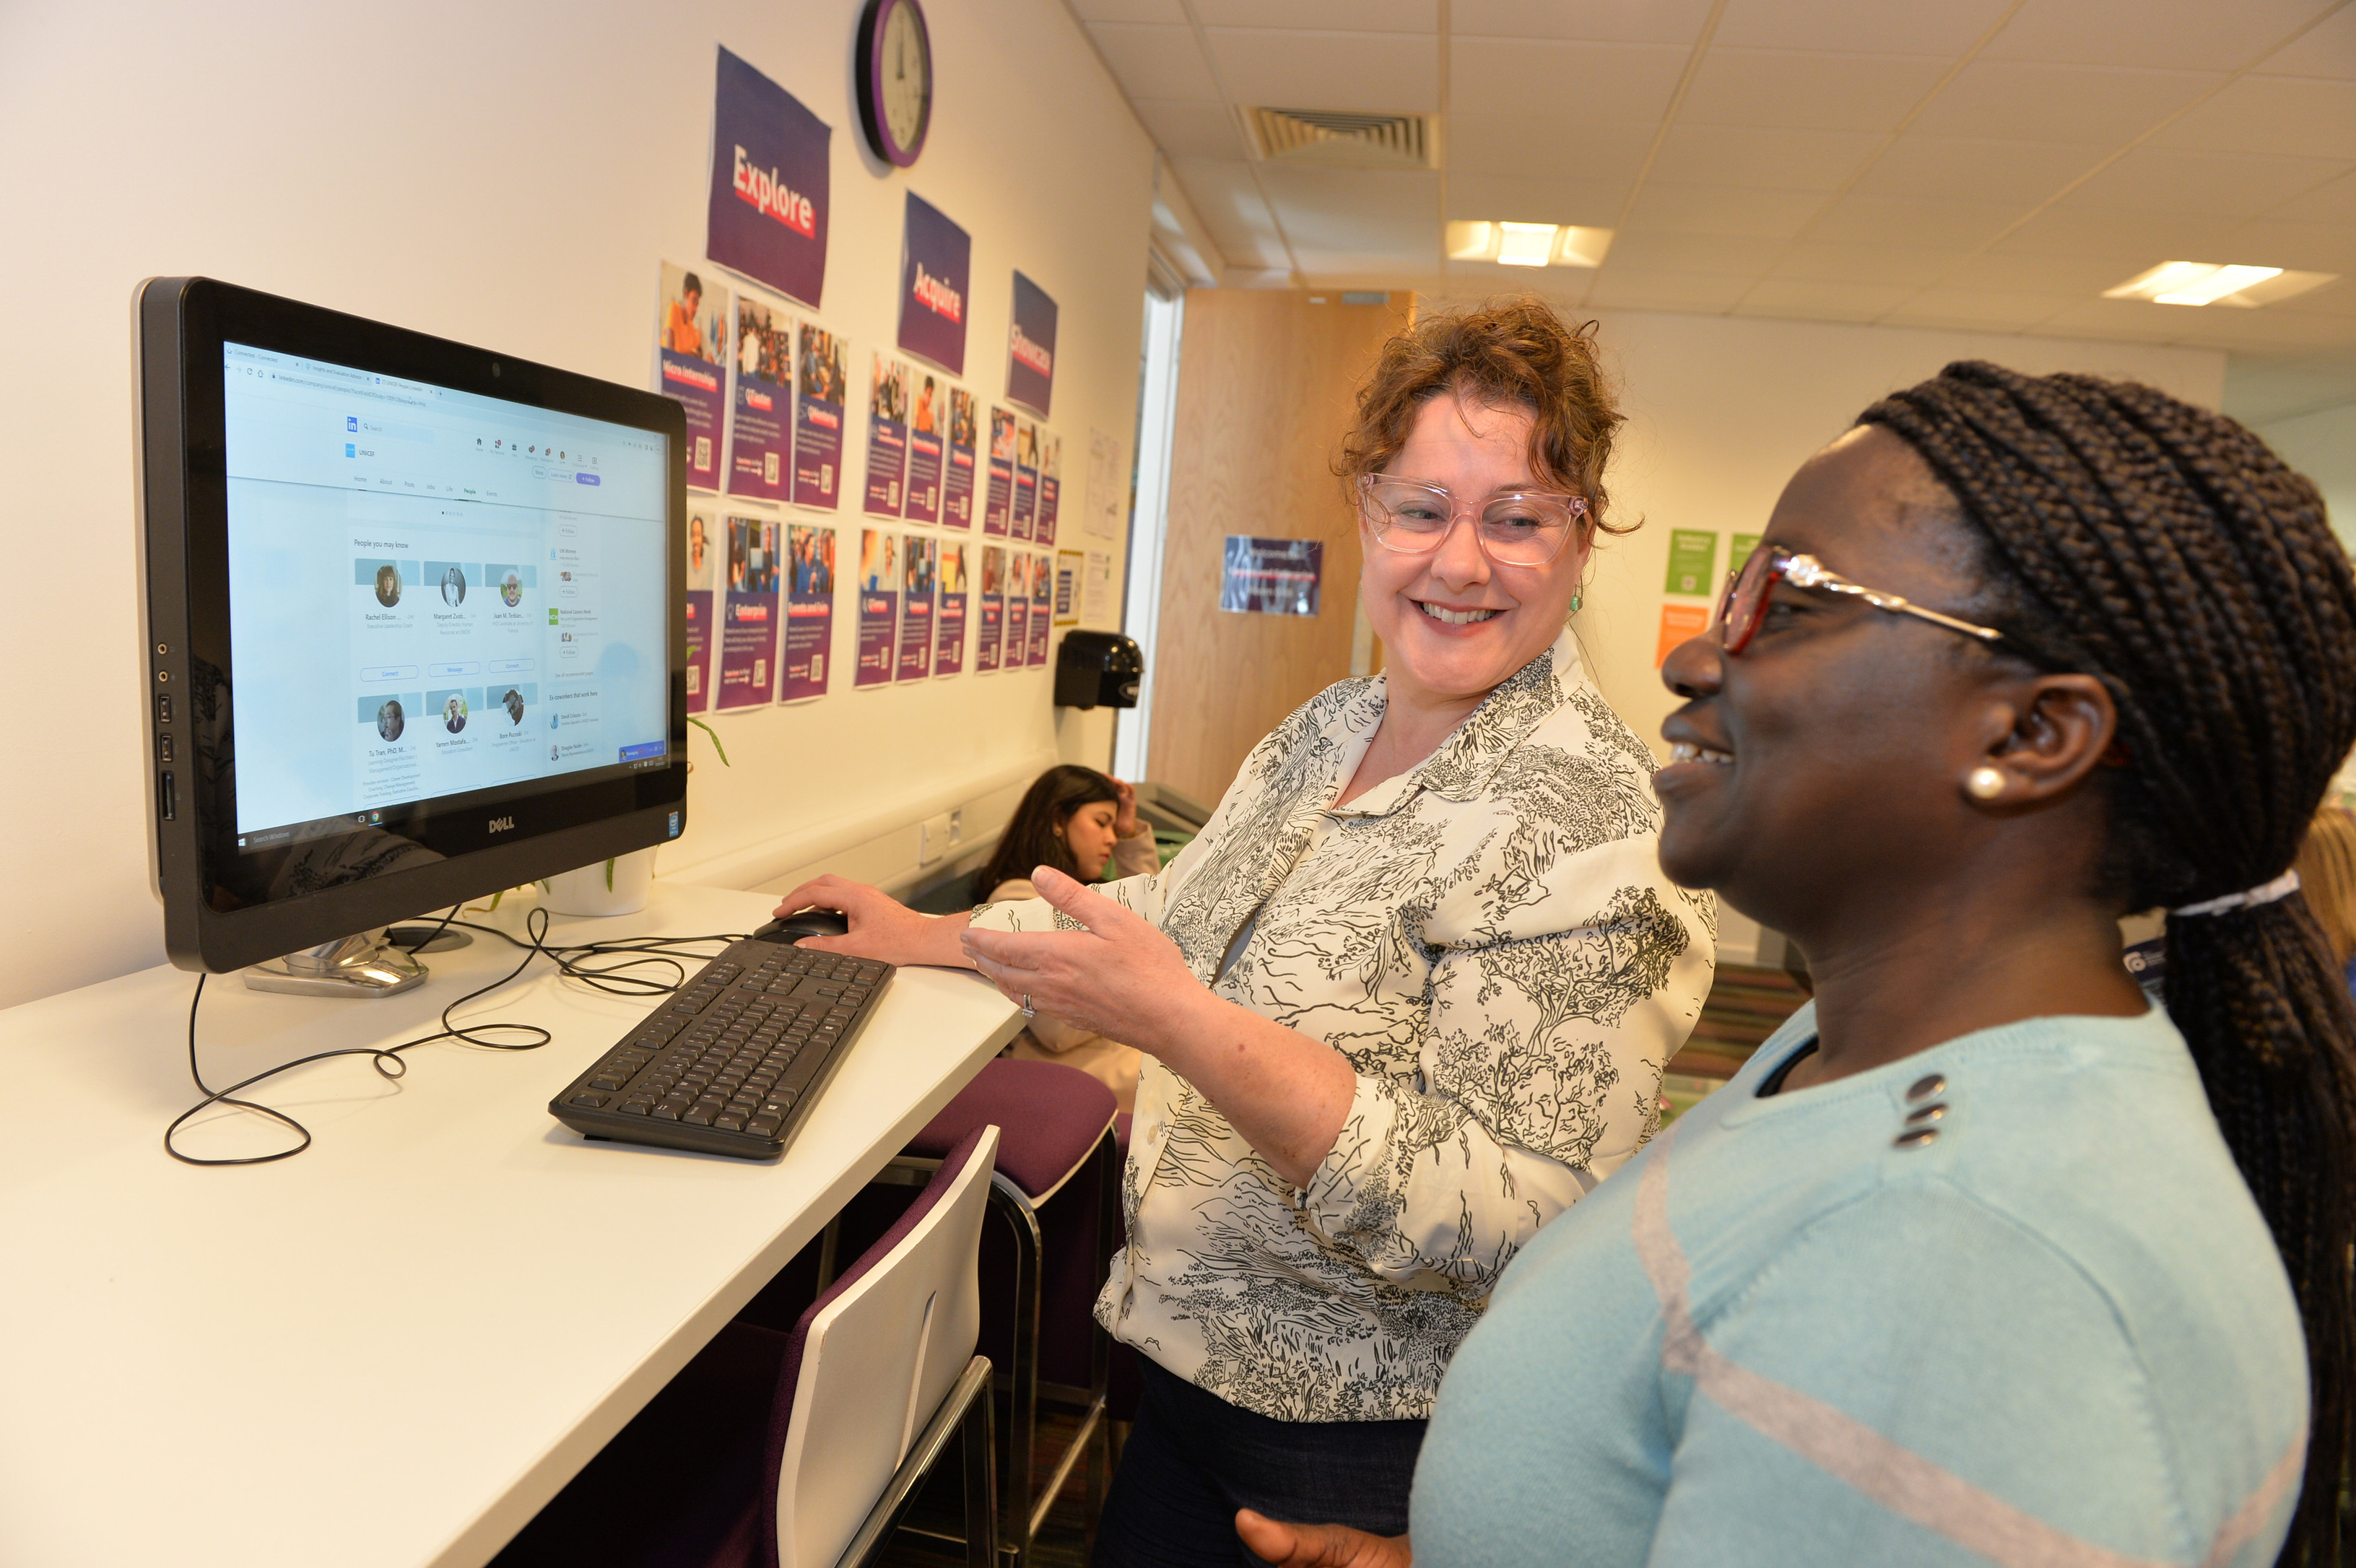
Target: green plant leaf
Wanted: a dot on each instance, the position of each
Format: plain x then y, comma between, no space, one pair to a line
715,741
609,876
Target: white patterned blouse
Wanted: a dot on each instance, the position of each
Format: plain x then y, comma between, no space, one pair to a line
1489,938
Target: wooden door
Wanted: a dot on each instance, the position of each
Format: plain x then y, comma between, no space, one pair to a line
1268,387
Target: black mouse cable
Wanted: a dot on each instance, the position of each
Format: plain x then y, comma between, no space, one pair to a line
582,960
387,1060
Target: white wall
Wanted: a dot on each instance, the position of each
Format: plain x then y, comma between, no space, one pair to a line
509,176
1721,409
2322,445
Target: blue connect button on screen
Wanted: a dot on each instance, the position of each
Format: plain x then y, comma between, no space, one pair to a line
584,478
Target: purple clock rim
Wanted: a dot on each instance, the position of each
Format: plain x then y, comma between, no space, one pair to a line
899,155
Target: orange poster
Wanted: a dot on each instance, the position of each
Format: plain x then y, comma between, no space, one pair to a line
1679,623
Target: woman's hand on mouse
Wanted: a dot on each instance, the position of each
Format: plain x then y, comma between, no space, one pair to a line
881,927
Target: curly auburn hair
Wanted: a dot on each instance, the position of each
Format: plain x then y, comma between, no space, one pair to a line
1514,353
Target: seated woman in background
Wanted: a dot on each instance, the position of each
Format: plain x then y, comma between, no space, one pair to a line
1980,1258
1075,819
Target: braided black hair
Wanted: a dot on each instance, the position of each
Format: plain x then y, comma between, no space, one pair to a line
2164,549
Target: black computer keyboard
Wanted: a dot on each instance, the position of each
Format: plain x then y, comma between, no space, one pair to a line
733,1063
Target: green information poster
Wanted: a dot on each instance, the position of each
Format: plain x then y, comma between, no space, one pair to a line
1693,558
1743,545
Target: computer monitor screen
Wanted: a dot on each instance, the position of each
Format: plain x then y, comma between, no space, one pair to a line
425,598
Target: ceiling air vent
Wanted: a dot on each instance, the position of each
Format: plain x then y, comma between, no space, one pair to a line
1342,141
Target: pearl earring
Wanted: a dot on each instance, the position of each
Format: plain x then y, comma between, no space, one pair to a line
1984,782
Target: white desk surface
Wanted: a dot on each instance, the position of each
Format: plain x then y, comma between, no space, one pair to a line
394,1347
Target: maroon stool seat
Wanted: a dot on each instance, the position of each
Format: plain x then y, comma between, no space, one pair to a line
1057,1186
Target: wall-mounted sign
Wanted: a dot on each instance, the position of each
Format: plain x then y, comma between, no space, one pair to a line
936,266
1272,577
1693,561
1679,624
767,215
1030,356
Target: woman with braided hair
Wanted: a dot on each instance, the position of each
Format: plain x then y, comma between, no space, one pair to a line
1980,1259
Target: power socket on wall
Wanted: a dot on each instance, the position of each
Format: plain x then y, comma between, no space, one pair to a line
935,835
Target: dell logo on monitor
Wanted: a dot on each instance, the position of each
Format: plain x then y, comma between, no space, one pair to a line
503,824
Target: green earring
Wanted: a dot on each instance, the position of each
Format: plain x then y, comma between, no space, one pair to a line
1576,599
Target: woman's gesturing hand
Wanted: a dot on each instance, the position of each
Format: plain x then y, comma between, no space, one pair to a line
1320,1545
1119,977
880,926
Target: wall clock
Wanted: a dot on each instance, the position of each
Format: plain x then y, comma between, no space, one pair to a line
895,79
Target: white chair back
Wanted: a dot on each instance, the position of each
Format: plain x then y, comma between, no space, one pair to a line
878,1361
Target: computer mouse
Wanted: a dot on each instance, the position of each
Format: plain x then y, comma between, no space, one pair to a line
792,928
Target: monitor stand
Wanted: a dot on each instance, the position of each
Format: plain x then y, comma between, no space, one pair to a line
362,965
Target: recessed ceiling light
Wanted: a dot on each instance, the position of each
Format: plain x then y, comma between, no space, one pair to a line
2215,283
1529,244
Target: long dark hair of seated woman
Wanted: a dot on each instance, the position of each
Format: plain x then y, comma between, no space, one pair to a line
1031,838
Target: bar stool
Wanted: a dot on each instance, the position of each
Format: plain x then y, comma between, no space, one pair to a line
1057,1188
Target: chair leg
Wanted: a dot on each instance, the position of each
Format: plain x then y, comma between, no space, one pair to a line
981,1485
1021,1425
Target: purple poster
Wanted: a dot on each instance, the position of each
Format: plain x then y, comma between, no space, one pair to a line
1051,485
702,561
990,624
760,437
888,436
998,500
818,420
1272,577
1043,595
691,332
936,258
948,633
809,610
769,161
925,441
920,561
1018,609
957,471
1030,358
879,607
1027,478
748,637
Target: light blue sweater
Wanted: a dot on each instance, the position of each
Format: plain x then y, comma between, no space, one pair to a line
2053,1331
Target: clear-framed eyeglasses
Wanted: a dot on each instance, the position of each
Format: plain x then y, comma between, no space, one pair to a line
1519,528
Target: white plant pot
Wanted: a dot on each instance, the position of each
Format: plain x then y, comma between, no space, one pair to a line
592,890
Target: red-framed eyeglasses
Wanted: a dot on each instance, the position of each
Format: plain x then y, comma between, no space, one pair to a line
1744,607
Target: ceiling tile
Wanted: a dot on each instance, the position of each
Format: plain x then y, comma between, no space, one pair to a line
1982,310
1810,301
1466,284
1168,12
2335,299
1763,158
1192,130
2028,102
2214,185
1154,62
1225,198
2327,49
2165,35
1906,266
1373,73
1358,15
1339,197
1858,26
1902,220
2072,277
1580,83
2332,203
2271,115
1535,148
1723,209
1595,21
1967,169
2123,235
1513,200
1806,91
1709,255
2301,247
1617,290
